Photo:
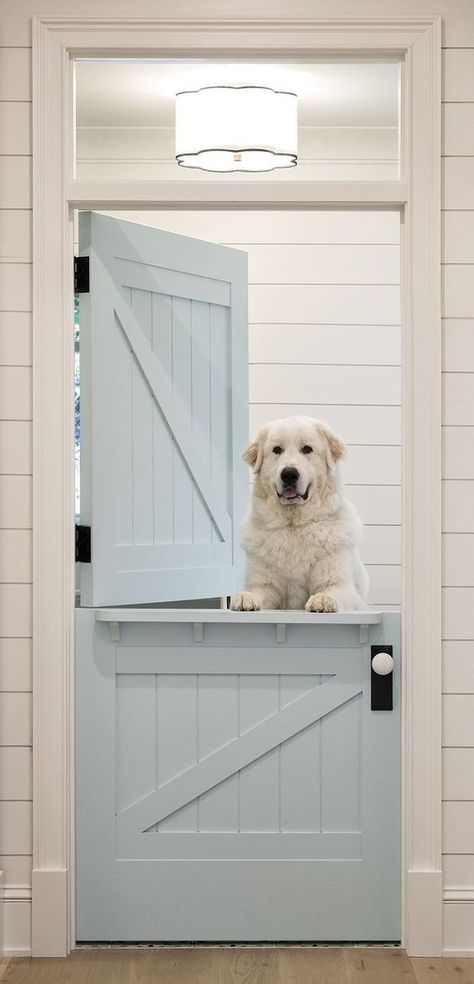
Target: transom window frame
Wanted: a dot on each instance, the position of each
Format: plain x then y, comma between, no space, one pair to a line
56,42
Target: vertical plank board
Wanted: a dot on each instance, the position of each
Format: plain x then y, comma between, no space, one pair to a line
218,724
121,380
142,431
300,765
259,782
220,397
340,767
162,440
182,482
176,739
201,409
135,738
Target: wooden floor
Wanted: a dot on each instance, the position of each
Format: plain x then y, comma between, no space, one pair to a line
234,965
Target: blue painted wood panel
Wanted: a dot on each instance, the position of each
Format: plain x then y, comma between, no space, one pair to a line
164,413
237,787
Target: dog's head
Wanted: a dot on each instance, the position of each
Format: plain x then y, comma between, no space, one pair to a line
293,458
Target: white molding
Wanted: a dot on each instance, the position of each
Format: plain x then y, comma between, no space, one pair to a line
418,38
421,449
235,194
459,895
50,913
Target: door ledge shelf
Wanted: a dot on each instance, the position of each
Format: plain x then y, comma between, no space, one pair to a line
217,615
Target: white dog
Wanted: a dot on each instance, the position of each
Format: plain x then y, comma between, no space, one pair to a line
301,534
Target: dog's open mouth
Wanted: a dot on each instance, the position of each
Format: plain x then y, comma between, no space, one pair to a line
291,493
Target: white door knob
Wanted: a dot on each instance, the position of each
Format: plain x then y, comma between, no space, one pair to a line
382,663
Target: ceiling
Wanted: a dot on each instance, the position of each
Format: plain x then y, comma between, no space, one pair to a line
128,93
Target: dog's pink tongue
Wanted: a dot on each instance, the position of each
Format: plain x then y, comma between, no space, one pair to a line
289,493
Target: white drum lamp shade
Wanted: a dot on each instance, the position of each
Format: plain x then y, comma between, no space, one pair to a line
236,128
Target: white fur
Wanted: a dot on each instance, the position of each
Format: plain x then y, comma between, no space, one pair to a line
301,553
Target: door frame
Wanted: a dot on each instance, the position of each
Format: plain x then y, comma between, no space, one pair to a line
56,41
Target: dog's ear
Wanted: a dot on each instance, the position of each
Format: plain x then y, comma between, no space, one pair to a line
335,447
253,455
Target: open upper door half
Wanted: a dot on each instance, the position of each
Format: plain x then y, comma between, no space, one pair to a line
164,413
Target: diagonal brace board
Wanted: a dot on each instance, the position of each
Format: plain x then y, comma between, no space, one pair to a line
173,409
237,754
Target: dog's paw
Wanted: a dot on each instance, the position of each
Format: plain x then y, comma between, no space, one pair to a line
244,601
321,603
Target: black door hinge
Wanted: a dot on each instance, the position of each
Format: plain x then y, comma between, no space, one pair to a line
81,274
83,544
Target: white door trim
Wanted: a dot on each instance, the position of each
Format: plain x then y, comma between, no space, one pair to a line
55,41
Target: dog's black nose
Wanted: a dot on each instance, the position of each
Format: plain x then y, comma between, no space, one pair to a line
290,476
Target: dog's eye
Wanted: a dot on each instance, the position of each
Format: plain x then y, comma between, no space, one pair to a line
277,449
306,449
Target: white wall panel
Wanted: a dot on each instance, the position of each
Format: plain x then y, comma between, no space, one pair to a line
458,507
15,719
372,466
377,503
15,74
15,234
458,559
458,74
382,545
15,556
374,385
15,773
458,836
17,917
15,827
458,452
324,264
15,447
458,613
17,871
15,286
15,393
458,393
458,667
15,182
458,129
458,928
384,585
457,183
324,304
458,237
458,722
326,344
458,295
326,226
15,610
15,338
458,774
15,664
15,128
458,343
15,501
358,424
458,871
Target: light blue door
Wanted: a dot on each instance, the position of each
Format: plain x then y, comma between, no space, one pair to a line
164,413
233,782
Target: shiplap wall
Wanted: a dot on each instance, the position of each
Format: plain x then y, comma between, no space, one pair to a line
324,340
15,413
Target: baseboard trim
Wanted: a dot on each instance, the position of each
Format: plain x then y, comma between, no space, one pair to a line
458,954
424,915
17,952
2,916
49,930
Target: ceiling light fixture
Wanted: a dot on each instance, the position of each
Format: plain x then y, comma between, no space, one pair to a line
236,128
